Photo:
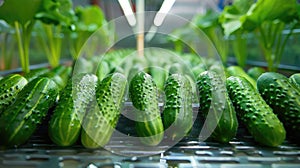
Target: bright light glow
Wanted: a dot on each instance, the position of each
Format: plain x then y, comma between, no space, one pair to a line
164,9
151,33
125,5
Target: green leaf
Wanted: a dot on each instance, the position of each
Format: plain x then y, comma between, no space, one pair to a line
57,12
268,10
230,18
208,20
90,18
19,10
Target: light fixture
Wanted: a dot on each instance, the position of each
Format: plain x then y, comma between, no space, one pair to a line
164,9
159,18
126,7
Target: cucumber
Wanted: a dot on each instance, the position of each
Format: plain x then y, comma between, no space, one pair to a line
212,89
102,70
295,80
63,71
9,88
144,97
102,118
21,119
178,112
59,75
159,75
82,65
176,68
255,72
65,123
238,71
197,70
255,113
35,73
284,99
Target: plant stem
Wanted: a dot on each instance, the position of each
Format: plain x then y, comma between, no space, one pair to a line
20,46
23,40
267,45
239,49
7,51
281,48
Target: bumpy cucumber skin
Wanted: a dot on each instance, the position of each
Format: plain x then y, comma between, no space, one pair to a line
255,72
209,82
65,123
178,112
10,86
255,113
284,99
238,71
144,97
295,80
21,119
101,120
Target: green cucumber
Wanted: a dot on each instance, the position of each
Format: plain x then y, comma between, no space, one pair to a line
178,112
284,99
82,65
176,68
211,89
9,88
144,97
255,113
159,75
21,119
102,70
295,80
102,118
63,71
35,73
198,69
238,71
255,72
65,123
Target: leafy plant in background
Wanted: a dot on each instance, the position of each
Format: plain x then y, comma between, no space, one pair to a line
20,14
7,45
183,38
230,17
56,16
267,19
210,25
88,20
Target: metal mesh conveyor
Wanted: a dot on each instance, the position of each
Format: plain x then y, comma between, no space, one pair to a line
242,152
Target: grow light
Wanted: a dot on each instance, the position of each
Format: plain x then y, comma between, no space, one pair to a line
159,18
126,7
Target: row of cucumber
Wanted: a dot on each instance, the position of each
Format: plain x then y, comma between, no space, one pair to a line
269,107
89,108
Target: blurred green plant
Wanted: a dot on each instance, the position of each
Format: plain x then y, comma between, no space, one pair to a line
6,45
88,20
228,18
56,18
210,25
20,14
268,20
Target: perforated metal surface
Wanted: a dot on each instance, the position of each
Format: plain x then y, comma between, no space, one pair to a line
240,152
